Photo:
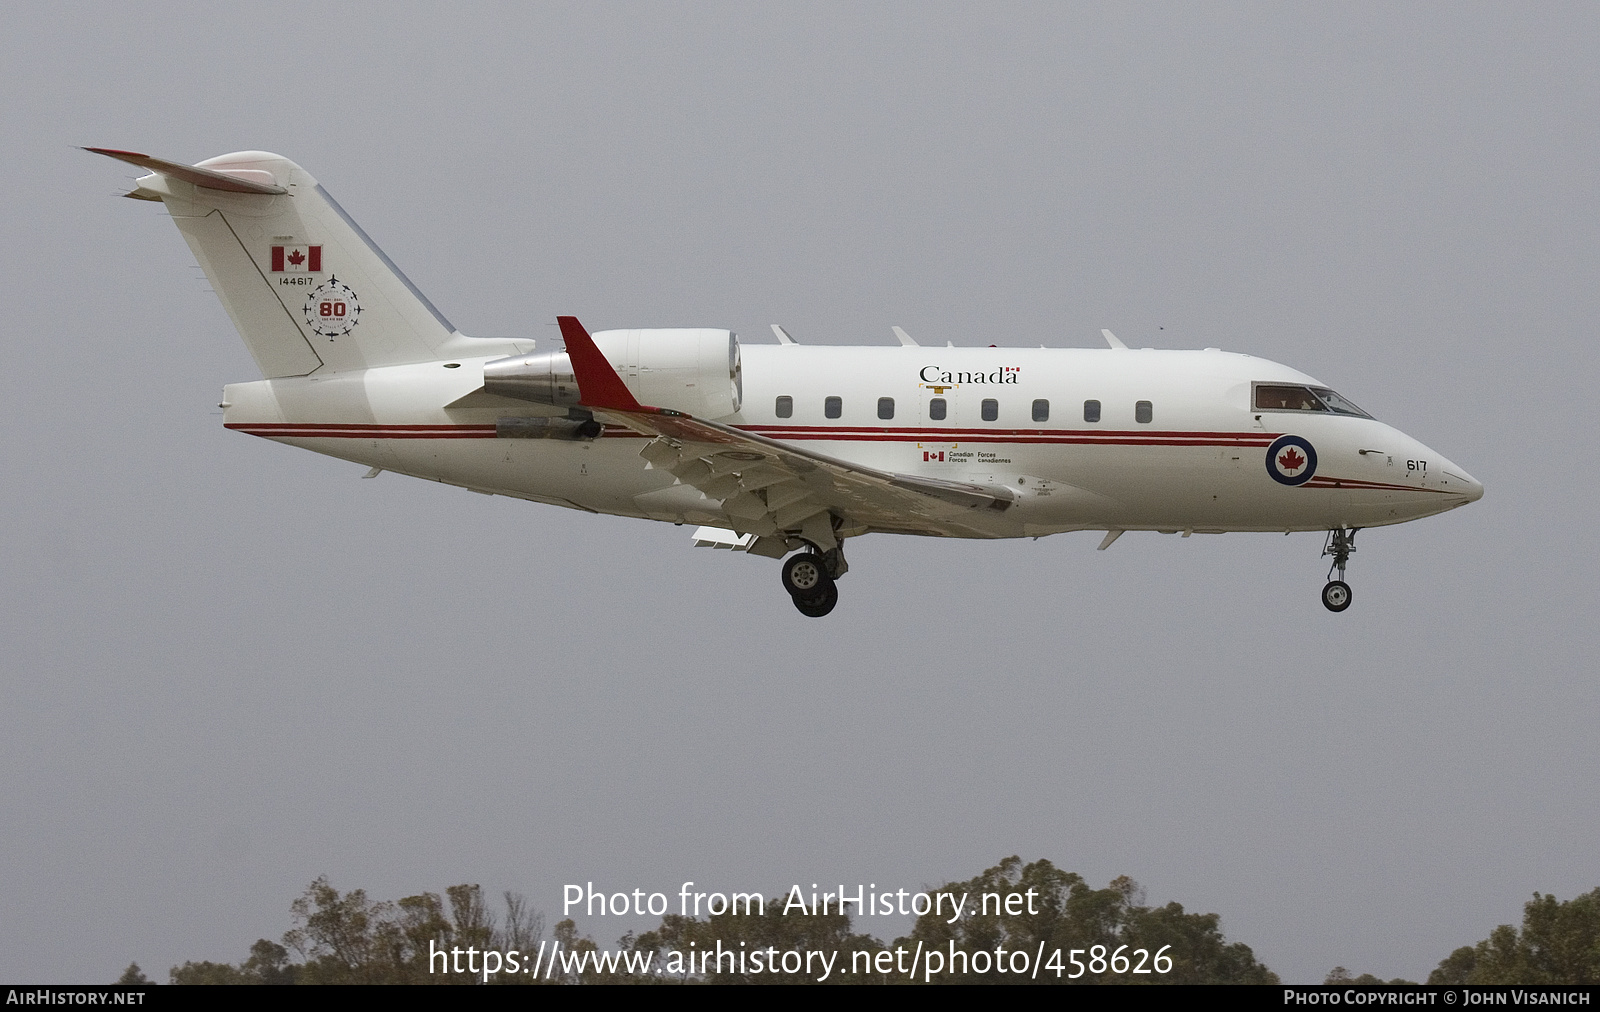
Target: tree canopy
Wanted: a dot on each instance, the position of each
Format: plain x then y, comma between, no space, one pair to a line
1559,944
350,939
1069,914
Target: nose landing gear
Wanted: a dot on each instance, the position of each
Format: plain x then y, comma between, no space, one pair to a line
809,579
1341,544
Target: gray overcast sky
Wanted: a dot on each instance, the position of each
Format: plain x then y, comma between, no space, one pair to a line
230,666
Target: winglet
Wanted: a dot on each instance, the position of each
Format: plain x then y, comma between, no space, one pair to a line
905,339
238,181
599,386
1111,339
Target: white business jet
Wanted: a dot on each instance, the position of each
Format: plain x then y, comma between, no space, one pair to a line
775,450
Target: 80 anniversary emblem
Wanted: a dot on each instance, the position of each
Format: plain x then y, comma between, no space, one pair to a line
332,309
1291,460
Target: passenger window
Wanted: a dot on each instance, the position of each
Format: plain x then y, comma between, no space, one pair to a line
785,408
936,409
885,407
833,407
1091,411
1041,411
990,409
1141,412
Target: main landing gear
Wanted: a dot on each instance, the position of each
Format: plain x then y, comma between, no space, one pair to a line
1341,544
809,579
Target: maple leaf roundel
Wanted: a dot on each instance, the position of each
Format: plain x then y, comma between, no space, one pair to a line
1291,460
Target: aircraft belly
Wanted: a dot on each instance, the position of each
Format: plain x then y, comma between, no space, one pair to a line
1057,487
603,475
1202,488
590,476
370,452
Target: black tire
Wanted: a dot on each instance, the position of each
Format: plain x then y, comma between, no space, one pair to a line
1336,595
805,575
818,604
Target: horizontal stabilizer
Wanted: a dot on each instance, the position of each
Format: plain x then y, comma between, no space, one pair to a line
237,181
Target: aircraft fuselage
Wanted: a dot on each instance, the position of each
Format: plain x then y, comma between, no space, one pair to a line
1177,443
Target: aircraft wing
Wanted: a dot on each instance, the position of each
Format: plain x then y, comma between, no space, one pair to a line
769,487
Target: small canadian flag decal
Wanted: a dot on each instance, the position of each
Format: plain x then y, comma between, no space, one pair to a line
296,259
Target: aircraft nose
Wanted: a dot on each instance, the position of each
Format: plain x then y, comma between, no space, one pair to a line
1463,484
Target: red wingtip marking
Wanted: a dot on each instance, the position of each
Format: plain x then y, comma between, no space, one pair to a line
598,383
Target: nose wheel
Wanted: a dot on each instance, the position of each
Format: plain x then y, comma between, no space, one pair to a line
810,583
1341,544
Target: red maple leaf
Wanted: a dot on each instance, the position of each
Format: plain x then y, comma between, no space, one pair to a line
297,258
1291,460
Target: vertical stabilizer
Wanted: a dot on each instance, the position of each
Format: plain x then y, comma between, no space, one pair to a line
305,286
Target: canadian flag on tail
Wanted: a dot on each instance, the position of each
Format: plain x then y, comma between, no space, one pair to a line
292,259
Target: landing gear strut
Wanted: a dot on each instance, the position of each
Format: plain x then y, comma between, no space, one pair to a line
809,579
1341,544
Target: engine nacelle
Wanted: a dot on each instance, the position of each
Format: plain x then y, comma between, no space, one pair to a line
694,371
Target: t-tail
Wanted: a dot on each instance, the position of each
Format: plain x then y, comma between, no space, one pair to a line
305,286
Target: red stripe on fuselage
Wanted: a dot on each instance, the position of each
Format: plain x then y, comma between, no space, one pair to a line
1355,484
1111,437
347,430
826,431
339,430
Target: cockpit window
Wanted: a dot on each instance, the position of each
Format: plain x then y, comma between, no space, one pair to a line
1284,397
1274,397
1338,405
